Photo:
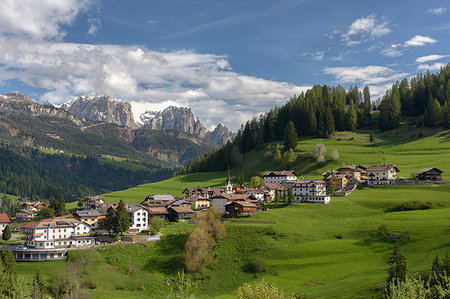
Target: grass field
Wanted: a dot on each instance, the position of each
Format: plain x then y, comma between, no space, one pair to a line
321,251
407,152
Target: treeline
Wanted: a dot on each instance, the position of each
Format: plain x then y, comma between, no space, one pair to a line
427,95
323,110
320,112
28,172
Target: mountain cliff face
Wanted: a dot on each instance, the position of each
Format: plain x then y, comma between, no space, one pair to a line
13,103
220,135
102,108
182,118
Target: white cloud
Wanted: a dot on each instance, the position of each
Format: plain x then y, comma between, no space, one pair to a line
38,19
339,57
430,58
364,29
419,41
378,78
318,55
67,70
391,52
94,26
437,11
433,67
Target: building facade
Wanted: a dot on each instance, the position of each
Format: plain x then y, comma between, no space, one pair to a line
381,174
57,233
310,191
279,177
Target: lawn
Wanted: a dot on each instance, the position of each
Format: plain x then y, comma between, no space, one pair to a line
407,152
321,251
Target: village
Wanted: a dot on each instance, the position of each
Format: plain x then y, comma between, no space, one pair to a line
49,239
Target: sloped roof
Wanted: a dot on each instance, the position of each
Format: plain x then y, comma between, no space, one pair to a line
429,169
246,204
382,167
162,197
4,218
280,173
309,182
85,213
157,210
182,210
352,168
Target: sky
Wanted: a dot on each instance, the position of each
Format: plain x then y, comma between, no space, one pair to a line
227,60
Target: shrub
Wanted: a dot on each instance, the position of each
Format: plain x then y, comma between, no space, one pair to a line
257,265
339,236
335,155
410,206
260,290
319,150
268,155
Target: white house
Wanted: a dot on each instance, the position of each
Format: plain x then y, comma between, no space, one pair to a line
138,218
92,202
53,233
259,194
4,221
310,191
278,177
381,174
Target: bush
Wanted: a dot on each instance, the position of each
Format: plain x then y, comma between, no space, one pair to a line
410,206
257,265
268,155
384,234
335,155
260,290
339,236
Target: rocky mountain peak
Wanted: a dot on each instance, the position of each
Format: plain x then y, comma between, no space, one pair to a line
182,118
102,108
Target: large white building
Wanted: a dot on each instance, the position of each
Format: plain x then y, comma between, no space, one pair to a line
278,177
138,218
310,191
54,233
381,174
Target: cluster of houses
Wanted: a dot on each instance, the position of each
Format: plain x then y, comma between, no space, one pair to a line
52,235
26,211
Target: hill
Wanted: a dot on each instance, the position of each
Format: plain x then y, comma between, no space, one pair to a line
322,251
402,147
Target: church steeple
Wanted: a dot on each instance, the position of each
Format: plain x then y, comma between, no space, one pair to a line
228,184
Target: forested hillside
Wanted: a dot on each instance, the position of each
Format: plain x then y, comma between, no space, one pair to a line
29,172
323,110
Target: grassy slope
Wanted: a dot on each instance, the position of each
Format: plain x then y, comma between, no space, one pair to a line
300,251
409,154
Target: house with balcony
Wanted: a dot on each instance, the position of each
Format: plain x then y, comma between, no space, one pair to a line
279,177
57,233
310,191
381,174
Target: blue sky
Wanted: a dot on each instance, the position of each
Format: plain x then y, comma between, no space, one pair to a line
227,60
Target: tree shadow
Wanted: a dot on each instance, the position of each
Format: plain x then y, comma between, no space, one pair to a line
168,255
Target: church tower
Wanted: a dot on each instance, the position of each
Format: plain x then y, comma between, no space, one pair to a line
228,184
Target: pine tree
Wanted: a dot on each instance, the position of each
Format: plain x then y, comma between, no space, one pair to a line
53,204
290,196
9,280
390,109
446,114
241,180
290,137
6,233
38,287
277,196
60,206
351,118
397,266
122,219
367,119
433,114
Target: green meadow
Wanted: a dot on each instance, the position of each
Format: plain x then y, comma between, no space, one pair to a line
321,251
405,149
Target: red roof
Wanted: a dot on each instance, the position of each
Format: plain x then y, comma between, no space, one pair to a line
4,218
